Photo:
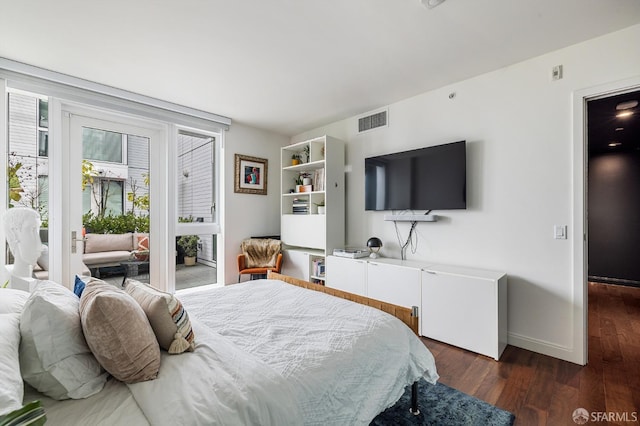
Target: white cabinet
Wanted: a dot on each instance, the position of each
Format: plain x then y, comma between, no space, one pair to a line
387,280
304,231
347,274
312,200
465,308
395,284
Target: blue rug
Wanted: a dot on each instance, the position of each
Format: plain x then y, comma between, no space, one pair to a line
442,405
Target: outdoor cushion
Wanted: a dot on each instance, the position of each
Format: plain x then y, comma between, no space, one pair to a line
95,243
105,257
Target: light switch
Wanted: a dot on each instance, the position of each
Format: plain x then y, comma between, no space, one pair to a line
560,232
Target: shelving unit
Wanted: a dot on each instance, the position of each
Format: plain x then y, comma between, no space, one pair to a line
307,233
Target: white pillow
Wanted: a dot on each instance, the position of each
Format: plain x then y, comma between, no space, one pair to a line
54,356
12,300
12,388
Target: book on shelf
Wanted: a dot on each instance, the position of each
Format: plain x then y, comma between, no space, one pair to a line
318,179
318,267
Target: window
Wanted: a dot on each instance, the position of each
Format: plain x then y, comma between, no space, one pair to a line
27,124
43,196
43,113
43,127
43,143
113,197
104,198
86,199
102,145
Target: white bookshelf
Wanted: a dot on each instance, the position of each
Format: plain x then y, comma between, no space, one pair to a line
307,233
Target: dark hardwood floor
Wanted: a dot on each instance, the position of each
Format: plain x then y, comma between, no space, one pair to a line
541,390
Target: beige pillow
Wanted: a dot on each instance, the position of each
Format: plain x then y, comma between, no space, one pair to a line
97,243
169,320
118,333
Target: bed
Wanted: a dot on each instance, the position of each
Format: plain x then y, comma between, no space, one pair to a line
269,352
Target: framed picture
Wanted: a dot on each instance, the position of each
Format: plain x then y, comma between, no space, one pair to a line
250,175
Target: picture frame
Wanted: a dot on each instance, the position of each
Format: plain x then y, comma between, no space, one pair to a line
250,175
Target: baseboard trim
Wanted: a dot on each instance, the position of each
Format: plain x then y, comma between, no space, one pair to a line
617,281
543,347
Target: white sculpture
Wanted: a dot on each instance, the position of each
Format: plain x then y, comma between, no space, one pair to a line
22,230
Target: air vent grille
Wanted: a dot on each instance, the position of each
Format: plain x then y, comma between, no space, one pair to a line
373,121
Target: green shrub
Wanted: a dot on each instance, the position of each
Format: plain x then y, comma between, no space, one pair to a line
115,224
189,245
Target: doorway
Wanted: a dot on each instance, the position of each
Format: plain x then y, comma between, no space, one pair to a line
613,189
580,236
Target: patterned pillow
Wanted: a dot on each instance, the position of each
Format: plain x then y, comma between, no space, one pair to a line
168,318
118,332
142,251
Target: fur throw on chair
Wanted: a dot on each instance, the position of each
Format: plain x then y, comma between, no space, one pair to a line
260,253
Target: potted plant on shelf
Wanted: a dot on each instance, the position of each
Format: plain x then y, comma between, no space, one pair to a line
295,159
307,155
306,178
189,245
320,206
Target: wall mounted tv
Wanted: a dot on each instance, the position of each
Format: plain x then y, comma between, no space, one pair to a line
431,178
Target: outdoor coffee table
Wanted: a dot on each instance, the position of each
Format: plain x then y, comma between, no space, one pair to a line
138,269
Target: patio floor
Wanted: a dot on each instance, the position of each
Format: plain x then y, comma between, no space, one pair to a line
186,276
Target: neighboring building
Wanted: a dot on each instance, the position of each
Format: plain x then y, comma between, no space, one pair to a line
119,161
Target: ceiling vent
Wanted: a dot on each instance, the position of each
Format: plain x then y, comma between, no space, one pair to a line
373,121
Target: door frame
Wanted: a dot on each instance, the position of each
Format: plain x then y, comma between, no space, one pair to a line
580,239
194,228
61,194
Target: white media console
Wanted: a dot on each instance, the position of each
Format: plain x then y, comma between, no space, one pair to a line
464,307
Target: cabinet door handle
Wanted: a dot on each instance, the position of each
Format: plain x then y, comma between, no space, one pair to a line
430,272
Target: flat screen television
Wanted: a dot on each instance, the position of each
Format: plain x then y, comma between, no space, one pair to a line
431,178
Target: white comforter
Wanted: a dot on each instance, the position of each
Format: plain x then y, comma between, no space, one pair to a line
346,362
268,353
217,384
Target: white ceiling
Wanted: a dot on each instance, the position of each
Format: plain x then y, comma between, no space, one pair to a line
292,65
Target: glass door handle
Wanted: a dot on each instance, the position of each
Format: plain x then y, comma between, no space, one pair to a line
74,240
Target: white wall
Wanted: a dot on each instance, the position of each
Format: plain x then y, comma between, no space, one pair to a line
518,124
247,215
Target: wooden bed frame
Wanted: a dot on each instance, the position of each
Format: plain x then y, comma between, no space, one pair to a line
409,316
